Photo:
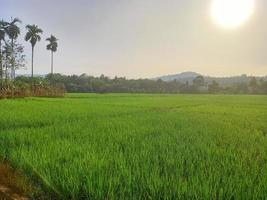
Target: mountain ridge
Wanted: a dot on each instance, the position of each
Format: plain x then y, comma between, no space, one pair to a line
189,76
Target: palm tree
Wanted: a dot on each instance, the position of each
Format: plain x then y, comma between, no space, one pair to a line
13,32
52,46
33,35
2,38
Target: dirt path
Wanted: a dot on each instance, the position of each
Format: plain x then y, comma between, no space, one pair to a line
12,185
8,194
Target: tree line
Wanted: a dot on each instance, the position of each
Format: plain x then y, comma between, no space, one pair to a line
12,55
104,84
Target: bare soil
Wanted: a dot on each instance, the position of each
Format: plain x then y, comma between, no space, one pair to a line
12,184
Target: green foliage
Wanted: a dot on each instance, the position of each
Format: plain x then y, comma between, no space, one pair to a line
11,54
25,87
15,60
199,81
214,87
121,146
52,46
33,34
13,51
12,28
2,30
103,84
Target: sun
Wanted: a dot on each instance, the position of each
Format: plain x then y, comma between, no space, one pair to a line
231,13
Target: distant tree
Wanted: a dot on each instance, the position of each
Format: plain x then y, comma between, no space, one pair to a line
253,85
17,58
214,87
13,32
263,86
240,88
52,46
199,81
33,35
104,84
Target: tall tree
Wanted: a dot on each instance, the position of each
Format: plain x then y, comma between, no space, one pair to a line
2,38
18,56
214,87
33,35
13,32
253,85
52,46
6,52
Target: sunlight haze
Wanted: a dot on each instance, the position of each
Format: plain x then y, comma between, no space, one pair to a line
232,13
148,38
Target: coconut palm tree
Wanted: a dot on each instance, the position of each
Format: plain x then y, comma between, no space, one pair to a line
52,46
13,32
33,35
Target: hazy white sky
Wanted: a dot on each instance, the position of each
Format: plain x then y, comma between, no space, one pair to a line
141,38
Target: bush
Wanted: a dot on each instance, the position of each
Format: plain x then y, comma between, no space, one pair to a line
19,89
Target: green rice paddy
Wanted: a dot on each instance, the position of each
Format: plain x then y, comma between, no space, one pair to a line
123,146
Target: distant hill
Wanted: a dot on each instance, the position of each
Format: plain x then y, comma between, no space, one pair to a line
190,76
182,76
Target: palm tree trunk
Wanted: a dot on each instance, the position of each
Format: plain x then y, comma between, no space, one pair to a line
52,63
32,69
1,65
6,77
12,58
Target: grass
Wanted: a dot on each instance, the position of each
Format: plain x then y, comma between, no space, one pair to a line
122,146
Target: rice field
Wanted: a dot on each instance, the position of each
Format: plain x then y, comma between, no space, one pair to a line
124,146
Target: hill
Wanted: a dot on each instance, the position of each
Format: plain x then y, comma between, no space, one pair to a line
190,76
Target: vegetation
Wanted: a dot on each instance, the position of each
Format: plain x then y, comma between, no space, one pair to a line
52,46
12,58
13,31
103,84
33,35
122,146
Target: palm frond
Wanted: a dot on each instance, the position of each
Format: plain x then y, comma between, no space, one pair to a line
52,43
15,20
28,36
2,34
33,34
38,37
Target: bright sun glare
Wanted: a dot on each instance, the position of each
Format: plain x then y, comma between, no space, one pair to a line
231,13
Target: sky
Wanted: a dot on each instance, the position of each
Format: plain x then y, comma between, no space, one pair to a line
141,38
